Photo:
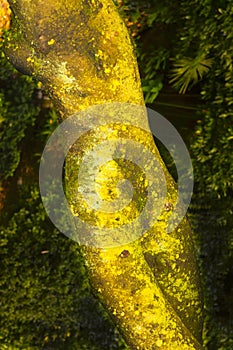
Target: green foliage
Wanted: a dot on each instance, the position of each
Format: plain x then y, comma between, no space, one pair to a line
46,302
151,89
212,152
195,39
152,73
189,71
212,146
213,221
17,112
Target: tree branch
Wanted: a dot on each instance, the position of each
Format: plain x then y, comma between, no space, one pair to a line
82,53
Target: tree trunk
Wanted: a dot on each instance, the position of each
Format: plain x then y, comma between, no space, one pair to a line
80,50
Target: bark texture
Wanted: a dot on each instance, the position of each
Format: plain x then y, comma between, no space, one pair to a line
81,52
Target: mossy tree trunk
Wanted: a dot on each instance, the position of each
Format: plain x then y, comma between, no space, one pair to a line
81,52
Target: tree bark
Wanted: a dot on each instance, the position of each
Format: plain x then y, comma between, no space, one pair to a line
81,52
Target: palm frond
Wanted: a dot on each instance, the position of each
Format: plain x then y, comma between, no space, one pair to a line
189,70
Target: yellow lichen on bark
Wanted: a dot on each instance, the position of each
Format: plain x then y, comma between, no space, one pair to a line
82,53
154,278
136,300
85,64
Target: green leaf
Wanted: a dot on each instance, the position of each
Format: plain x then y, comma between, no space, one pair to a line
189,71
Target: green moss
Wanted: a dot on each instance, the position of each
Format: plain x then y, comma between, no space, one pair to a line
17,112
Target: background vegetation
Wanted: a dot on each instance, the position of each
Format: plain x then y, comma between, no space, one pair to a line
46,303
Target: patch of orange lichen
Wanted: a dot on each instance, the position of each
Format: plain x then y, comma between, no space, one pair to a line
5,16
